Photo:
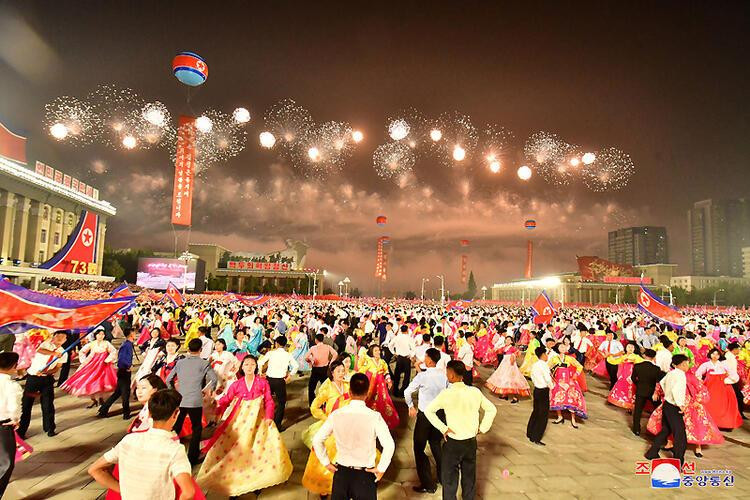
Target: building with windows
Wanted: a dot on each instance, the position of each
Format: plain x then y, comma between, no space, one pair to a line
607,287
40,208
702,282
636,246
719,230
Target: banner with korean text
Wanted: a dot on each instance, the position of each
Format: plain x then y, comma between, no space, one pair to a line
184,171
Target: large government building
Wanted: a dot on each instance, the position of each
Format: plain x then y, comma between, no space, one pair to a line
40,209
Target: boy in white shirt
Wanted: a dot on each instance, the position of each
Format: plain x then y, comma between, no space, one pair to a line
149,462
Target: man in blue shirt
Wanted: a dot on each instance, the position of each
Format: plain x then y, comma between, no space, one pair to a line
124,363
429,383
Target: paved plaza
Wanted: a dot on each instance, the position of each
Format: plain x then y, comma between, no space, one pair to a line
596,461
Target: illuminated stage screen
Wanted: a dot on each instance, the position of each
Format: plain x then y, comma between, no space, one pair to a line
156,273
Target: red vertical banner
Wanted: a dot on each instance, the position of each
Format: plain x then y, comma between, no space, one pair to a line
384,276
184,172
381,259
529,258
464,266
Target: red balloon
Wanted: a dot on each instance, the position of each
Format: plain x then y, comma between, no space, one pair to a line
380,220
464,243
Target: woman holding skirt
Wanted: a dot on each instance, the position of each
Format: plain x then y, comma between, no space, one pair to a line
246,452
508,380
722,404
97,375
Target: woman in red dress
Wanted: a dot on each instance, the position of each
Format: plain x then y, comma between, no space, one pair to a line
722,404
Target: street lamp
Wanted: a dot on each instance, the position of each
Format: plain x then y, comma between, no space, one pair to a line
442,287
423,282
484,293
717,291
346,285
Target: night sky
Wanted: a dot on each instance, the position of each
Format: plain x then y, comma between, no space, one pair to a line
665,82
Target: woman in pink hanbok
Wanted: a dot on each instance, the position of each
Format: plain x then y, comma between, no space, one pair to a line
246,452
623,392
26,345
566,394
144,388
97,375
507,379
700,427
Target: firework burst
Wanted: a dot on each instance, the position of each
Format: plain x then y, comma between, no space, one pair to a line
610,171
393,160
71,119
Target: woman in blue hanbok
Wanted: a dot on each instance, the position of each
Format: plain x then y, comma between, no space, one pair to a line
256,336
240,346
226,331
301,345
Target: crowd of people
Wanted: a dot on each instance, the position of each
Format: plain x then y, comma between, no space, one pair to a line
214,373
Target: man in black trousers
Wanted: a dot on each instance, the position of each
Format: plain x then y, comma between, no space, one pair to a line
65,370
645,377
40,382
320,356
542,380
124,363
672,421
429,383
403,347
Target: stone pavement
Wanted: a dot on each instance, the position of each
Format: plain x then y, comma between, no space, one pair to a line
596,461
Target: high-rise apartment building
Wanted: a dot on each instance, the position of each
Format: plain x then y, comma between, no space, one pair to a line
638,246
719,229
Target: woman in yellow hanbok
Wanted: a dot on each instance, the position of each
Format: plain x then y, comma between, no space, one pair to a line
371,364
530,358
191,327
333,394
246,452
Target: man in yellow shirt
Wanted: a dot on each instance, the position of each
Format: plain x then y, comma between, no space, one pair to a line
461,404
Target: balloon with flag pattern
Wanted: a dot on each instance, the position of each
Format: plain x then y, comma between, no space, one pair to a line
530,224
190,68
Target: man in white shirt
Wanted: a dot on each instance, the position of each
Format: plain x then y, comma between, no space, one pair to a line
10,414
542,380
355,428
674,385
403,347
149,462
466,356
441,365
611,347
279,362
420,350
208,344
663,358
41,380
582,343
